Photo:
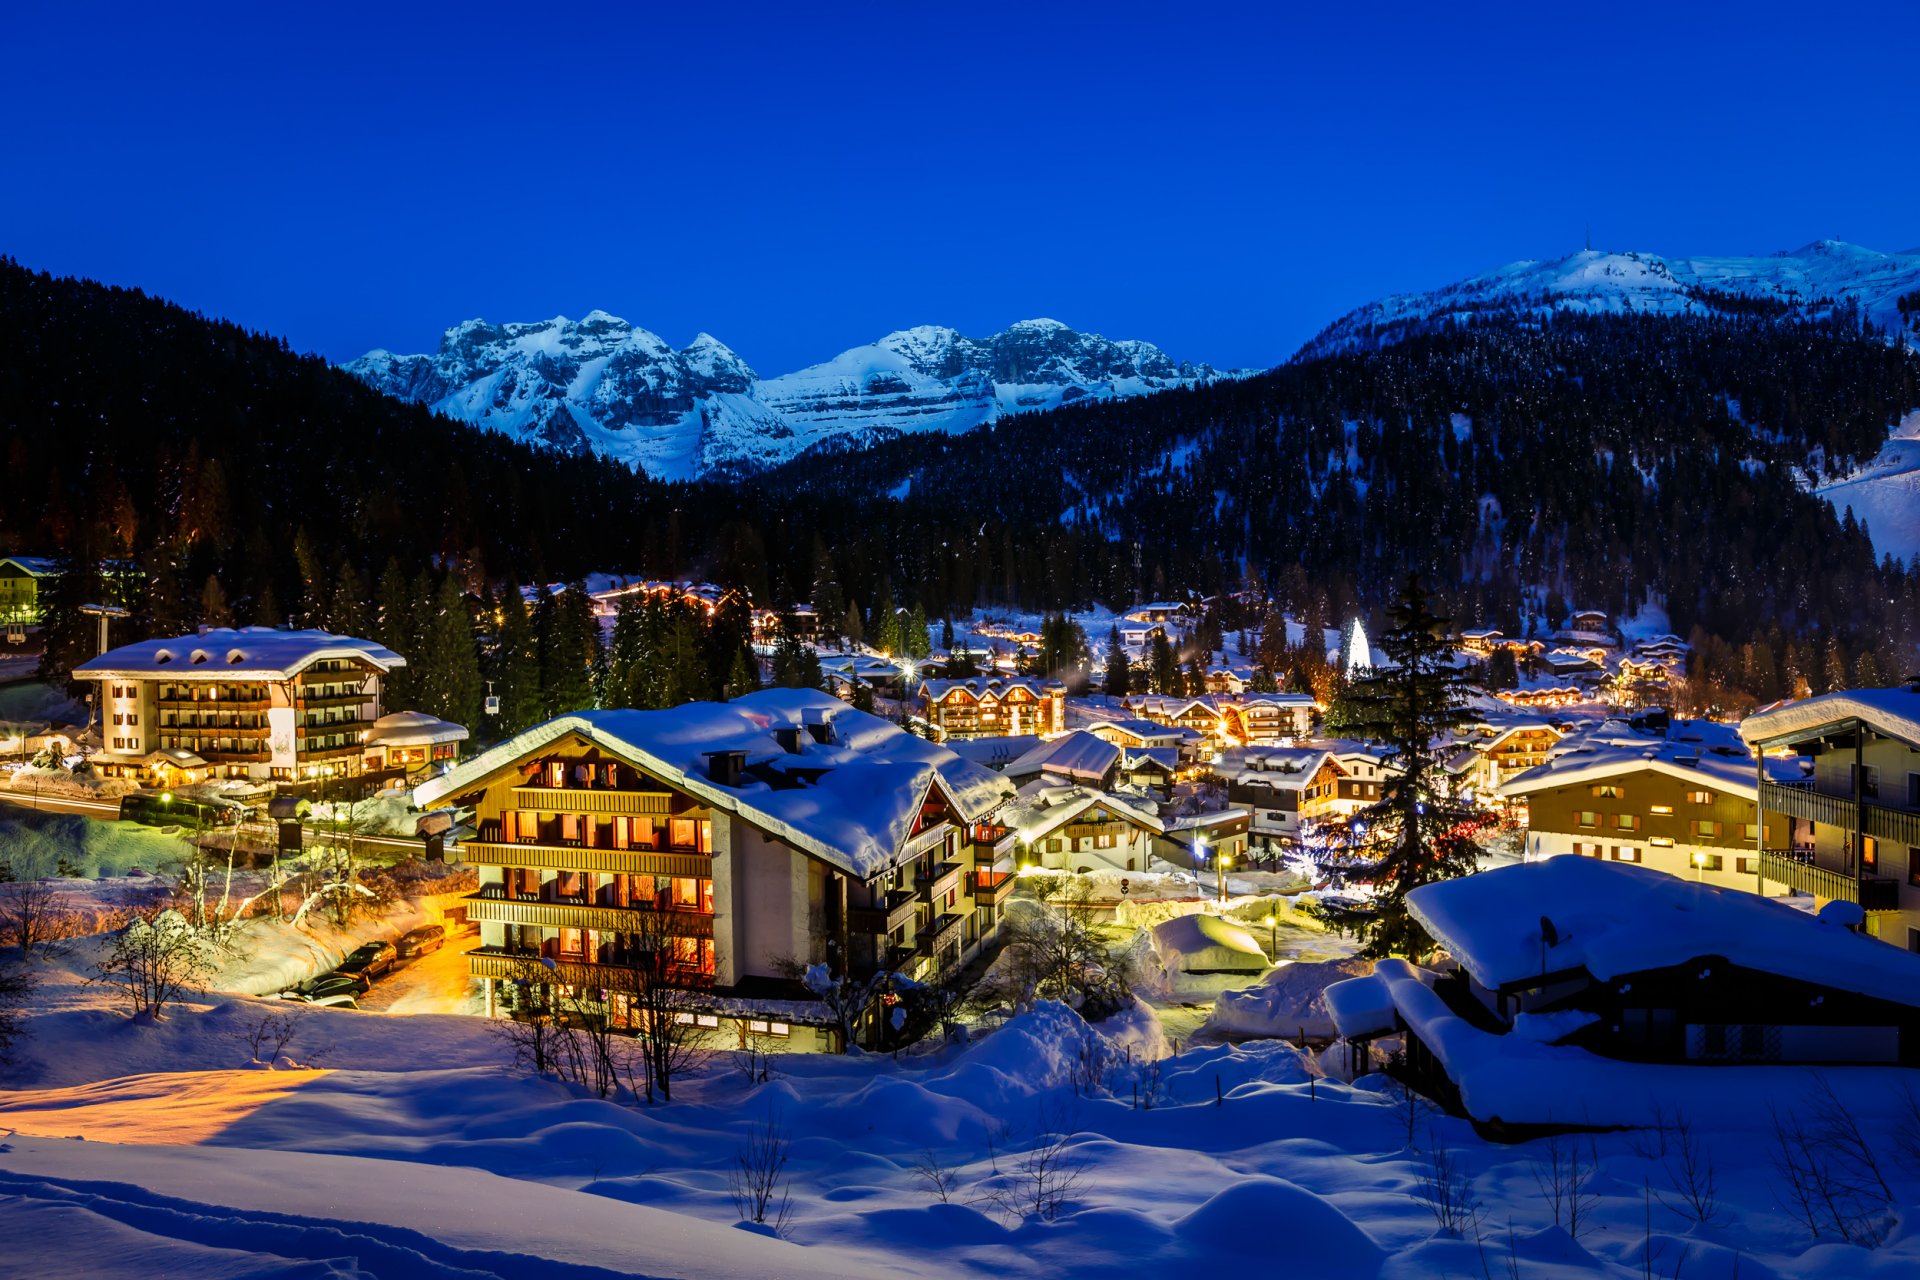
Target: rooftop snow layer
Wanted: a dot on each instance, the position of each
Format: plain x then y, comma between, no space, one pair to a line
1203,943
1692,750
1077,755
234,653
1613,919
851,801
1893,712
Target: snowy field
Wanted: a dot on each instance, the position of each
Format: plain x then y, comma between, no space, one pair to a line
405,1146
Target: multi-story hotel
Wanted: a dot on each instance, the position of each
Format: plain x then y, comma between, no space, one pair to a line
781,828
1853,815
246,702
1680,801
994,706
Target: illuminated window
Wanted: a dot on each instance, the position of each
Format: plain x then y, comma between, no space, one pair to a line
1587,818
1699,797
1663,810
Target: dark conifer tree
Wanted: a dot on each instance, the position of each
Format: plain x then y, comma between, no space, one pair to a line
1417,832
1119,682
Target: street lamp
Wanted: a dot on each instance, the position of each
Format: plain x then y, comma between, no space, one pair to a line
1273,934
1699,867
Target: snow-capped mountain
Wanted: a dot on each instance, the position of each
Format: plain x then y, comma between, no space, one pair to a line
1821,275
600,384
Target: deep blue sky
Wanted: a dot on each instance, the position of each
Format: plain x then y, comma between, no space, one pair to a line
1219,180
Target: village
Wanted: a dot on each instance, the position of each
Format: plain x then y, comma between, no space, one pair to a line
801,866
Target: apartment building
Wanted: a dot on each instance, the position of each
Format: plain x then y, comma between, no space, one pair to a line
993,706
22,580
242,702
783,827
1851,808
1281,788
1682,801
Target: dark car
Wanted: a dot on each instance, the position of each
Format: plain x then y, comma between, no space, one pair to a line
368,961
425,940
333,990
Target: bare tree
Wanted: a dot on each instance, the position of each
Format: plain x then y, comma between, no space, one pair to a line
754,1059
758,1179
153,961
534,1031
665,1015
268,1036
846,998
29,916
1562,1176
1058,952
1043,1179
1693,1181
940,1179
1445,1188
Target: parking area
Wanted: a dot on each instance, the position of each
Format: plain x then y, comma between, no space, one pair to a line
436,983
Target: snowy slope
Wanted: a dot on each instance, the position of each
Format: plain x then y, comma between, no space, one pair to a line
1885,494
1816,277
605,386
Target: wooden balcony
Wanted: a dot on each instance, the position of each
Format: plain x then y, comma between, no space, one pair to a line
579,800
943,930
570,915
896,913
932,887
990,888
213,704
932,838
1895,826
306,699
498,962
548,857
1797,870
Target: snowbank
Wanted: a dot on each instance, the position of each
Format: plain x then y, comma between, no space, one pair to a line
1291,1000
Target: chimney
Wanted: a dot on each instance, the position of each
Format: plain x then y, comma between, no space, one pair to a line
788,736
820,725
724,767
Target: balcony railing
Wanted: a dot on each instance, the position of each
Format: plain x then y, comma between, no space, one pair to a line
893,913
935,885
1799,800
528,966
933,837
990,888
583,800
1797,870
944,930
547,857
568,915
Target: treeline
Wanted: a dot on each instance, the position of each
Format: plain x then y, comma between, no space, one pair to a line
217,475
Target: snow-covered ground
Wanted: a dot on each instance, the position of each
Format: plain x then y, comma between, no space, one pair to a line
1885,493
1176,1138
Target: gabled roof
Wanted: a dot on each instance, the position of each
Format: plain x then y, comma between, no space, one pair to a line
980,687
34,566
1042,808
235,653
1078,755
850,802
1613,919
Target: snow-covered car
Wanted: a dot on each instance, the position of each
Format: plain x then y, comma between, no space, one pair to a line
369,960
425,940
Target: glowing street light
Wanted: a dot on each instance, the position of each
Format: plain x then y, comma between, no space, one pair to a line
1273,934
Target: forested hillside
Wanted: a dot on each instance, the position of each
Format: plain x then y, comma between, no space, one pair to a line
1598,457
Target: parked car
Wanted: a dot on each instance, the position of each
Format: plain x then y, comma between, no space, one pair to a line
368,961
425,940
334,991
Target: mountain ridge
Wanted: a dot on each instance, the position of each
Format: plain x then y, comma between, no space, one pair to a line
604,386
1810,280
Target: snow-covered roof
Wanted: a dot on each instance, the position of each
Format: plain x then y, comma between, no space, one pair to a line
851,801
1285,768
413,729
1073,755
234,653
1614,919
1702,751
1142,729
1364,1006
1894,713
1041,807
1167,758
980,686
34,566
994,753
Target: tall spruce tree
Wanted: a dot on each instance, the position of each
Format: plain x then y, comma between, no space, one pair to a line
1119,672
515,668
349,613
1418,833
450,684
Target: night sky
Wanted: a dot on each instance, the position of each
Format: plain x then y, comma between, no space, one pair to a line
1218,180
